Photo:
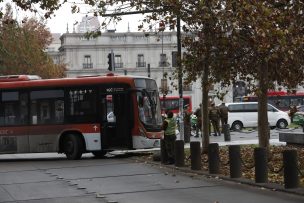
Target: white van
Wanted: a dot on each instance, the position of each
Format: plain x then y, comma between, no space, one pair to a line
246,115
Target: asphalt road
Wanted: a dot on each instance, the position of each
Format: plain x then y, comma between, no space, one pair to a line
50,178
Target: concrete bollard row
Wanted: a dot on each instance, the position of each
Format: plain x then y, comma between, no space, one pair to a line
290,161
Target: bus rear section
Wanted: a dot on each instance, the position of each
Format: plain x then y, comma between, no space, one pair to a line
80,115
171,103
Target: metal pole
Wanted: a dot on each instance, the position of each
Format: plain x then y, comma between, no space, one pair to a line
180,78
112,60
149,71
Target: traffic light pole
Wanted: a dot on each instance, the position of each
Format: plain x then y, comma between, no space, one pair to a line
112,60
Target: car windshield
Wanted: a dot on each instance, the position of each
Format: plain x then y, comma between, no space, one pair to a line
148,103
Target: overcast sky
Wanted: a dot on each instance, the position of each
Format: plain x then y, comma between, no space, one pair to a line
63,17
58,23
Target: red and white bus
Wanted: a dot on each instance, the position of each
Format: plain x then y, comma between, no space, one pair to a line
78,115
280,99
171,103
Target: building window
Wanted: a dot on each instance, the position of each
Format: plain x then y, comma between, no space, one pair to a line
118,62
140,61
87,62
163,60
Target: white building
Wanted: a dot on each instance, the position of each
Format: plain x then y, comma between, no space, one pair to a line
135,53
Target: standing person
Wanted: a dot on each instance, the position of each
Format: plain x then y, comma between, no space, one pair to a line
223,114
169,127
214,116
292,111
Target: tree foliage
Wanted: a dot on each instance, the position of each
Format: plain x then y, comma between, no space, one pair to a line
22,48
269,48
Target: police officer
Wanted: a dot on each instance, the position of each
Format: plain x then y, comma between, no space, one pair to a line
223,114
169,127
214,116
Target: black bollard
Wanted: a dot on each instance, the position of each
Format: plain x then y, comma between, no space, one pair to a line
179,153
213,158
226,131
163,152
291,174
195,154
260,162
235,161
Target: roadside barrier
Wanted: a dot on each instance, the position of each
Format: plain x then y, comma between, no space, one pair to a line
214,158
226,131
260,161
235,164
179,153
290,163
195,155
261,164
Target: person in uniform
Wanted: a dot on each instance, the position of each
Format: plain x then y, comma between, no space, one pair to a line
223,114
169,127
214,116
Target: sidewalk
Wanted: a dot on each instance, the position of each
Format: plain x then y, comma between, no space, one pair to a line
241,138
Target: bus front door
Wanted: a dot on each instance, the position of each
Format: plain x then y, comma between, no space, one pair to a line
116,121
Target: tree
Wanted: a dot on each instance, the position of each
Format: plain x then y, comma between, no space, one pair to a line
22,48
270,48
207,50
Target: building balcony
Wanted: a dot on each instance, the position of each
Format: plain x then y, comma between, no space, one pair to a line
163,64
87,65
140,64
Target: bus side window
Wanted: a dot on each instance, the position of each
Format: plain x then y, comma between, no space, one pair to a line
82,105
13,108
47,107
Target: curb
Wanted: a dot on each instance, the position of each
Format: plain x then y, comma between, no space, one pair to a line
270,186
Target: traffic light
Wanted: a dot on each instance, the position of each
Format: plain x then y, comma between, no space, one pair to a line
110,61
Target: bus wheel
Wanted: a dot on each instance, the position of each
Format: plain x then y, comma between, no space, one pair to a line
282,124
73,147
237,126
99,154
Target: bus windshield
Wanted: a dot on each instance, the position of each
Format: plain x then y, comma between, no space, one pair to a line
148,102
